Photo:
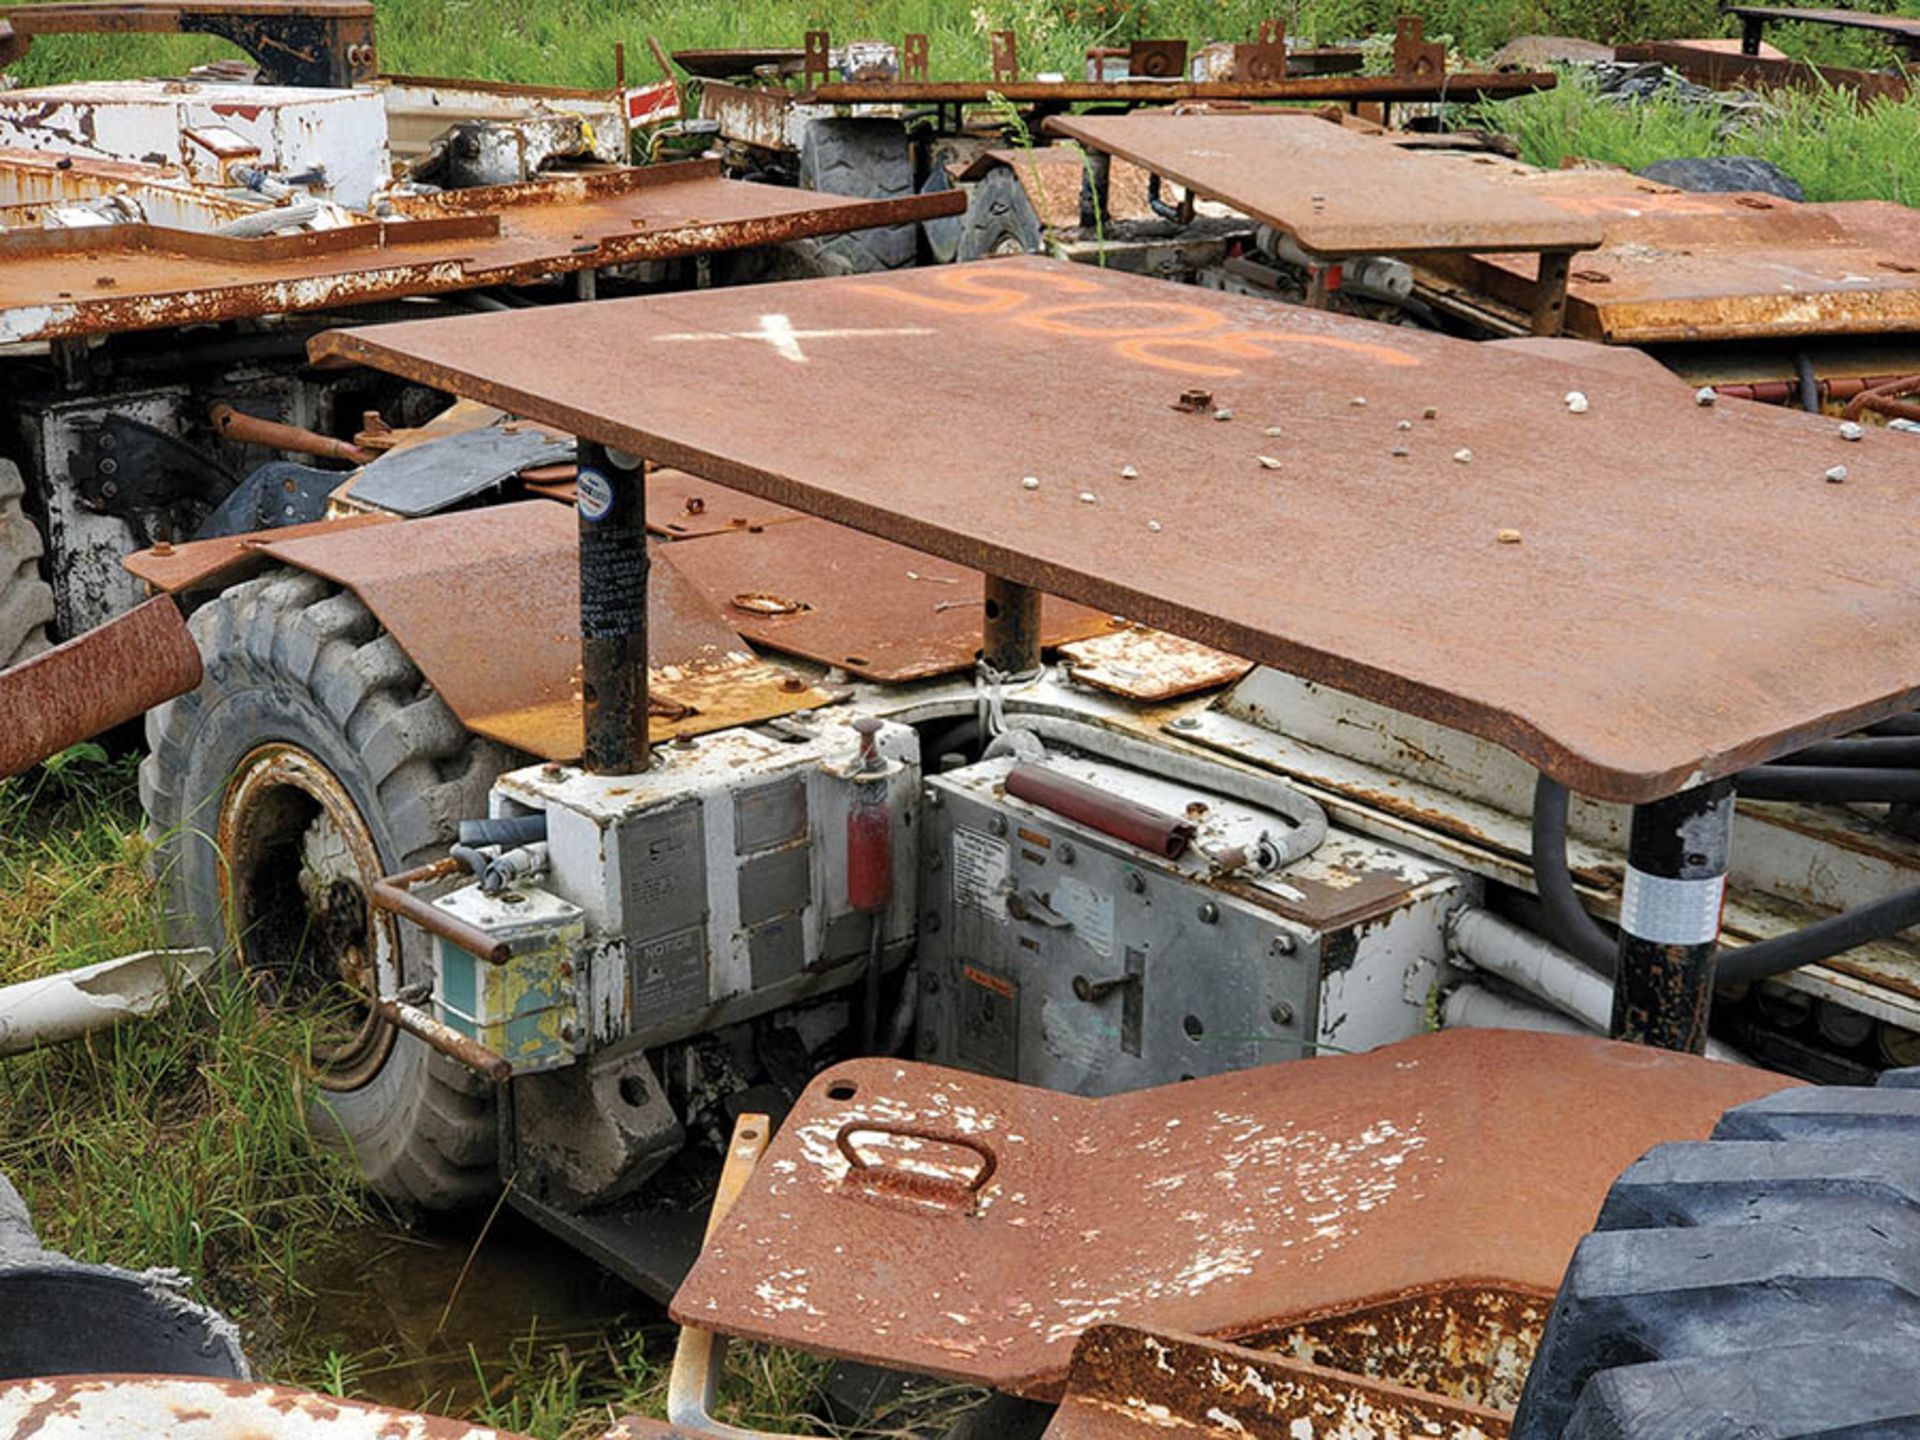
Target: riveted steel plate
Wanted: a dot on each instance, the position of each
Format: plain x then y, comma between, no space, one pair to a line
1336,191
996,1223
1583,588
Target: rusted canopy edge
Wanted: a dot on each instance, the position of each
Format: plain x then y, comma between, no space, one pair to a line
1681,723
1157,92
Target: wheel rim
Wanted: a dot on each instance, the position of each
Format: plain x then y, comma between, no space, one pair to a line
299,866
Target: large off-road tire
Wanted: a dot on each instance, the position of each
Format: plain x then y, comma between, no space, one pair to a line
312,760
1000,219
1764,1283
871,160
26,600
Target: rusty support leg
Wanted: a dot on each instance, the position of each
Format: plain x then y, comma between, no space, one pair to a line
613,609
1670,917
1010,639
1550,292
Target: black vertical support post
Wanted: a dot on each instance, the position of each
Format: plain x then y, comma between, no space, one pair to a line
1010,638
1095,187
613,609
1670,917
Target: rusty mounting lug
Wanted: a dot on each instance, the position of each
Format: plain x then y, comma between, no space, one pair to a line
961,1193
1413,57
816,62
1157,59
1005,51
913,59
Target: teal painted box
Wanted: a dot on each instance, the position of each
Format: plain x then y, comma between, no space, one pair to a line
528,1009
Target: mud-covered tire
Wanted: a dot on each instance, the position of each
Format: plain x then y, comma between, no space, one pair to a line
869,159
308,706
26,600
1764,1283
1000,219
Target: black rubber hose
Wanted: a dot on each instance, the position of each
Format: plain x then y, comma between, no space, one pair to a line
1898,725
1829,784
507,830
1568,924
1823,939
1809,383
1873,752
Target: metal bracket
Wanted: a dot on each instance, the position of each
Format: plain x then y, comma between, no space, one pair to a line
1264,61
326,44
1413,57
1157,59
913,59
816,63
1006,57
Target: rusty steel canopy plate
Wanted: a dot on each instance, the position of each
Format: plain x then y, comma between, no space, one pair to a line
1334,190
1680,266
227,559
1128,1382
1150,665
1643,627
105,279
487,603
93,682
987,1224
873,608
180,1407
683,507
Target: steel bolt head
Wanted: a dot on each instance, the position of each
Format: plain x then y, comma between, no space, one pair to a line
1274,431
1359,402
1136,882
1267,462
1186,722
931,798
1400,452
1465,457
1223,414
1507,537
1281,1014
1153,527
1065,852
1032,482
1852,430
1432,412
997,824
1209,912
1705,396
1087,497
1837,475
1281,944
1576,402
1127,472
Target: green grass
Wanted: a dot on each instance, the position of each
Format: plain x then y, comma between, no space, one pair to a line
1836,145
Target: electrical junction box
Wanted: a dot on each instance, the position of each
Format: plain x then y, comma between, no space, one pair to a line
714,885
527,1010
1058,956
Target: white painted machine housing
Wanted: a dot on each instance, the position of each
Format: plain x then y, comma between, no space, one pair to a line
206,127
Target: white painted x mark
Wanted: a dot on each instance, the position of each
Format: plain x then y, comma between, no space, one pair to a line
778,331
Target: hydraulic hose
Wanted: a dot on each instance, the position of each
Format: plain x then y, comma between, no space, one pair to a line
1568,923
1872,752
1266,792
505,830
1829,784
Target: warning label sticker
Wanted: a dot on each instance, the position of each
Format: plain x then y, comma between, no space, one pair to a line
1090,910
980,871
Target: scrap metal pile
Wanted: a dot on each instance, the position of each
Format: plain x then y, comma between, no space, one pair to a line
1329,849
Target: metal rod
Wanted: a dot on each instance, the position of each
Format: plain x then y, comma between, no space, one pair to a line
1670,917
448,1041
613,609
1010,639
1550,292
395,895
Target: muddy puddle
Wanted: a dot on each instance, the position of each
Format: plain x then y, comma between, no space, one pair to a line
412,1331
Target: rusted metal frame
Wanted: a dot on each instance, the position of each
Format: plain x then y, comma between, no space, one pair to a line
199,245
614,567
1723,71
1670,917
1010,633
693,1384
485,1062
1548,314
394,894
1901,33
1121,1376
1466,86
93,682
326,44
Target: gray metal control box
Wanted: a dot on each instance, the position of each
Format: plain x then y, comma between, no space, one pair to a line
1058,956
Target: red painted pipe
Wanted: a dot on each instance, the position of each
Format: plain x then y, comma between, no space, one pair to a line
1136,824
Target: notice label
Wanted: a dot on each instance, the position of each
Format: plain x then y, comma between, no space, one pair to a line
980,871
1090,910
